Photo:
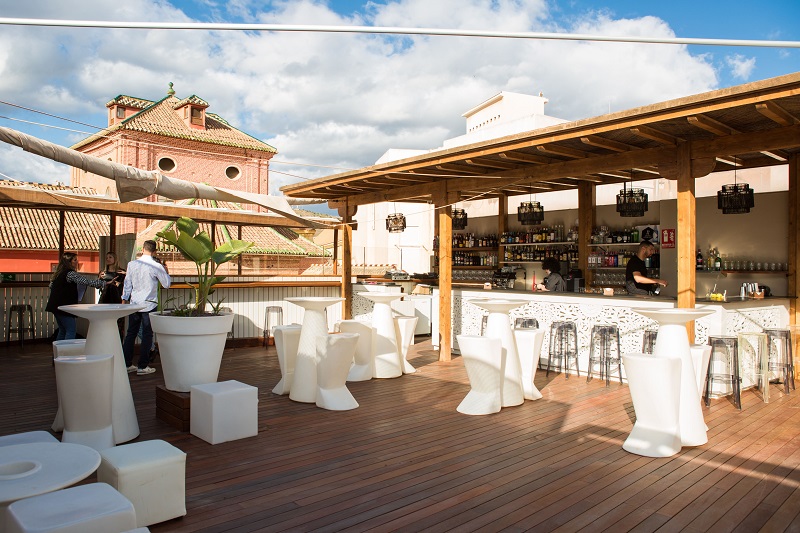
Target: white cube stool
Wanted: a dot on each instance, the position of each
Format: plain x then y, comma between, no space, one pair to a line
223,411
27,438
151,474
94,508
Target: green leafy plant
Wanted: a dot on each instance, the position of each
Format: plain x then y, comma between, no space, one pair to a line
198,248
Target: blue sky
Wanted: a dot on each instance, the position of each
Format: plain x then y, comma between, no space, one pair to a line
337,101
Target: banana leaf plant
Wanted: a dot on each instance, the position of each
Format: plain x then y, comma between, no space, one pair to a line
198,248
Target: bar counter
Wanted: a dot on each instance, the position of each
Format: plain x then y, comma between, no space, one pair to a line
586,310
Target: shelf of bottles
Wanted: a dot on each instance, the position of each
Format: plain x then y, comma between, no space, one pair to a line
527,253
545,236
471,251
603,236
612,258
717,263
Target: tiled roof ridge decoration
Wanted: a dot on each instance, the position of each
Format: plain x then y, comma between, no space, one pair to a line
129,101
48,186
194,100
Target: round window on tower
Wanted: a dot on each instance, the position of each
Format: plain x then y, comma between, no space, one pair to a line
233,172
166,164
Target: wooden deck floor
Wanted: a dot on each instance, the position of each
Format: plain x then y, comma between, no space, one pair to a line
405,460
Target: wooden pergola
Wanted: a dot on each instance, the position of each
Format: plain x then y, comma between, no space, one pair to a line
747,126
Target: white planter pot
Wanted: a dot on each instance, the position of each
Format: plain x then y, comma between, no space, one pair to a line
191,348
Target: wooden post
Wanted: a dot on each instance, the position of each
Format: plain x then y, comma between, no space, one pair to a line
686,233
112,237
445,233
61,235
793,252
502,224
585,224
241,257
347,213
335,251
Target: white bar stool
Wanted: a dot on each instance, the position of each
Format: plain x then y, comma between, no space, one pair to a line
485,361
334,356
655,387
529,347
84,384
287,340
363,368
404,327
66,347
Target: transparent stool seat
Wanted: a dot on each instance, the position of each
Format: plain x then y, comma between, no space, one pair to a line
649,341
526,323
604,350
723,367
781,359
563,346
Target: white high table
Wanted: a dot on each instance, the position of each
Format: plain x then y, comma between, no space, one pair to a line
498,326
103,338
672,341
388,352
36,468
304,382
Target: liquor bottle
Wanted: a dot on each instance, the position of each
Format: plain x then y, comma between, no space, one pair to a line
700,264
718,262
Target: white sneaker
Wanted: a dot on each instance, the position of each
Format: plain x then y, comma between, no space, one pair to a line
144,371
132,369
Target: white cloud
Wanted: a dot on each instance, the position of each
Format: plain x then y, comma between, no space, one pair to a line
338,99
741,66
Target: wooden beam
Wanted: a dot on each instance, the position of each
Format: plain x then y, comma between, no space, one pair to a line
607,144
526,158
743,143
709,124
347,213
586,217
445,233
502,165
502,223
461,169
561,150
777,114
794,239
686,233
655,135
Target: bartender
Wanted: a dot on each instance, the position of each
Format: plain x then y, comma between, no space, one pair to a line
636,280
553,281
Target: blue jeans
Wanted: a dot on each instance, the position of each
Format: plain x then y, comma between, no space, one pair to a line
135,322
67,326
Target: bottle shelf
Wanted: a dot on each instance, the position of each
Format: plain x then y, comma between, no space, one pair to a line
565,243
726,272
615,244
474,249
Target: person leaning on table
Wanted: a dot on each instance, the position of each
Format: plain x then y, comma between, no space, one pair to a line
553,280
67,288
636,280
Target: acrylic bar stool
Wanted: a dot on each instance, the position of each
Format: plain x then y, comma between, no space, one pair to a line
20,310
780,356
753,358
723,367
603,351
563,346
273,316
649,341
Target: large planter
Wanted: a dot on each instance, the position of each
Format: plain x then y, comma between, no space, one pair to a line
190,347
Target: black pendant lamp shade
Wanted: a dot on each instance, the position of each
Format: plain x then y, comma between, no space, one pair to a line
735,198
631,202
459,219
530,213
396,223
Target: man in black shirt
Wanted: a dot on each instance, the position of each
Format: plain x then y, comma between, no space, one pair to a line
636,280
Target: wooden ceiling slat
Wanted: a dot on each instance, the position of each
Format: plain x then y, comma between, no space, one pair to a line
776,113
709,124
526,158
561,150
608,144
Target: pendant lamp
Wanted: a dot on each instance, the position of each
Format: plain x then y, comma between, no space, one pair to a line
735,198
459,219
396,223
530,213
631,202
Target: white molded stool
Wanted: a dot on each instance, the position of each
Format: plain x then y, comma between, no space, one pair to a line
363,368
655,387
404,327
485,361
223,411
66,347
334,355
151,474
287,339
26,438
529,347
84,384
94,508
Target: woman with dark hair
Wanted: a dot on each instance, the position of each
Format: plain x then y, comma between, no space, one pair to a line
114,277
553,281
67,288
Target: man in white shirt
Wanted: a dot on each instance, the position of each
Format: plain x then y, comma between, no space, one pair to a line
141,288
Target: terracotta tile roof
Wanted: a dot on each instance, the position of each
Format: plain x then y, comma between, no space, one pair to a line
194,99
37,229
273,241
160,118
129,101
